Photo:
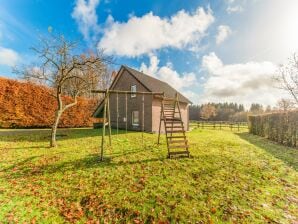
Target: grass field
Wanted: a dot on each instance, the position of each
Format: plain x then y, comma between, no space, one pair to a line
232,177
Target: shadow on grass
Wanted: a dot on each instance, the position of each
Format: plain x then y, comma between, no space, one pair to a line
19,164
288,155
28,147
44,135
88,162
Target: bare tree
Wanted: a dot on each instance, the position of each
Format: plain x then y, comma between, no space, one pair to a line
69,73
288,77
208,111
285,104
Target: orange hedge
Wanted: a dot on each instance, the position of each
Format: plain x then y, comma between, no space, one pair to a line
27,105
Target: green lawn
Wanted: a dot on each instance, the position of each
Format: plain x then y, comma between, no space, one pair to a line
232,177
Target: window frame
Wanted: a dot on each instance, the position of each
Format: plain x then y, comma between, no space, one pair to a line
132,118
133,90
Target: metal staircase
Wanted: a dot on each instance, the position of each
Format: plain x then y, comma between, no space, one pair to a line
177,143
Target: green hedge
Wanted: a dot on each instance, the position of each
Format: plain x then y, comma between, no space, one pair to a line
280,127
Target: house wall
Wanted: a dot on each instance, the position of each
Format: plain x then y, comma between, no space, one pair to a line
156,107
133,104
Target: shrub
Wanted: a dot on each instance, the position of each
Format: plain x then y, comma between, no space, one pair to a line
27,105
281,127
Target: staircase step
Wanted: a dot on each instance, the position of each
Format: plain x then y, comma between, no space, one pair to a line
171,112
177,141
170,126
175,131
169,105
181,136
173,122
178,146
174,119
179,153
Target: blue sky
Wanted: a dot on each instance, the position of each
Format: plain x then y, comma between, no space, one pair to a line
224,50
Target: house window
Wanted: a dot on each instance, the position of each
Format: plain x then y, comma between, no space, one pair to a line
135,118
133,89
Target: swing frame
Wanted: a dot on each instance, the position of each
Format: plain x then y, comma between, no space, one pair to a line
107,116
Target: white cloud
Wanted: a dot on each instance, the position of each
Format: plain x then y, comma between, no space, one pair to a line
244,83
168,74
222,33
85,15
236,6
192,96
8,57
234,9
141,35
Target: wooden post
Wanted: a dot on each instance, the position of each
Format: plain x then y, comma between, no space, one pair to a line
109,118
143,119
117,113
104,126
126,118
161,109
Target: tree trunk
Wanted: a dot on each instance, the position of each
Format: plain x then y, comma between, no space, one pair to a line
54,128
57,119
59,112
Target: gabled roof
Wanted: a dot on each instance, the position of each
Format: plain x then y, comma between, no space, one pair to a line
150,83
156,85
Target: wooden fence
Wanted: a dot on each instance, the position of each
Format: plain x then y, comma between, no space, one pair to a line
280,127
219,125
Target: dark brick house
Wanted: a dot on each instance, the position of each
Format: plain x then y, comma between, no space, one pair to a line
128,79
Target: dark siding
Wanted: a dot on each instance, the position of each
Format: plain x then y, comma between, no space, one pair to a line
124,83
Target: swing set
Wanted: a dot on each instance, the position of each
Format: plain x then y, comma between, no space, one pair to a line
173,124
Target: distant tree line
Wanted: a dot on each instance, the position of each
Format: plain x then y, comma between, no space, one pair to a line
218,112
236,112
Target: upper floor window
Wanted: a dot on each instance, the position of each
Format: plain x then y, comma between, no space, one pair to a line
133,88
